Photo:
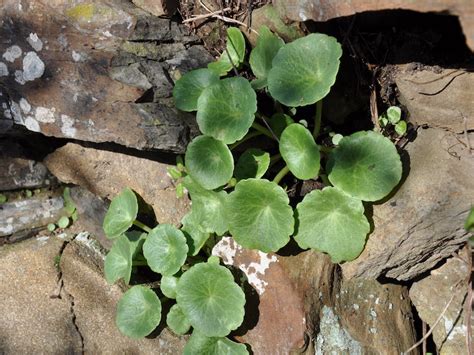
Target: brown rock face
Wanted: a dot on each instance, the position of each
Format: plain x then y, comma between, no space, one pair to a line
303,10
99,71
106,173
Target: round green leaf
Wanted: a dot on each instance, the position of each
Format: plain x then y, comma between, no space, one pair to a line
262,55
177,321
165,249
304,70
51,227
234,54
394,113
168,286
196,235
210,299
253,163
299,151
199,344
209,162
401,128
278,122
259,215
121,213
63,222
365,165
190,86
226,110
138,312
332,222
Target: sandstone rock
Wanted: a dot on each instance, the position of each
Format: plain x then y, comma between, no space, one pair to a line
158,8
106,173
430,103
303,10
422,223
32,321
29,213
60,79
431,295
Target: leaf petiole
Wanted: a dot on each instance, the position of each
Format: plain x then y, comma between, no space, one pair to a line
246,138
317,118
262,130
142,226
281,174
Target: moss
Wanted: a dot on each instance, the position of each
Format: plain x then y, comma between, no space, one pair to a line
148,50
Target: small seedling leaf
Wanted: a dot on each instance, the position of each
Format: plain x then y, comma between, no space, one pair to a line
401,128
304,70
168,286
394,114
51,227
165,249
278,122
226,110
138,312
209,162
121,213
262,55
69,205
300,152
235,50
199,344
259,215
365,165
174,173
332,222
177,321
63,222
189,87
336,138
253,163
210,299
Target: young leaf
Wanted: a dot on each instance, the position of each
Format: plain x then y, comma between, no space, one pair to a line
63,222
199,344
177,321
304,70
253,163
119,261
138,312
259,215
235,50
51,227
300,152
69,205
394,113
190,86
196,235
365,165
168,286
262,55
401,128
207,207
165,249
121,213
210,299
209,162
332,222
278,122
226,110
336,138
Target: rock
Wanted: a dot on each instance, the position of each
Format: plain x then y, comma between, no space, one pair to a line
106,173
29,213
429,104
449,284
422,223
19,172
95,304
304,10
32,320
158,8
83,83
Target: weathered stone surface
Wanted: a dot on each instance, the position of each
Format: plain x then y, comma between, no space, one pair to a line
95,304
317,10
19,172
422,223
32,321
106,173
60,60
29,213
158,7
430,296
437,98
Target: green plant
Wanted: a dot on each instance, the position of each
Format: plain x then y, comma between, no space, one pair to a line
70,212
249,199
392,118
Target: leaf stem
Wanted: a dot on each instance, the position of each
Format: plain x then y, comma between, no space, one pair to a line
142,226
317,118
324,149
246,138
274,159
139,263
281,174
325,179
262,130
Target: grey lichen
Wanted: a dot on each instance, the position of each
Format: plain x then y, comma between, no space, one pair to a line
33,67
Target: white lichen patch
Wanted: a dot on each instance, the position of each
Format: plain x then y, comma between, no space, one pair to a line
372,313
12,53
78,57
458,331
355,306
45,115
19,77
390,306
90,243
16,112
33,67
373,330
226,249
255,271
32,125
25,105
34,41
3,69
67,127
